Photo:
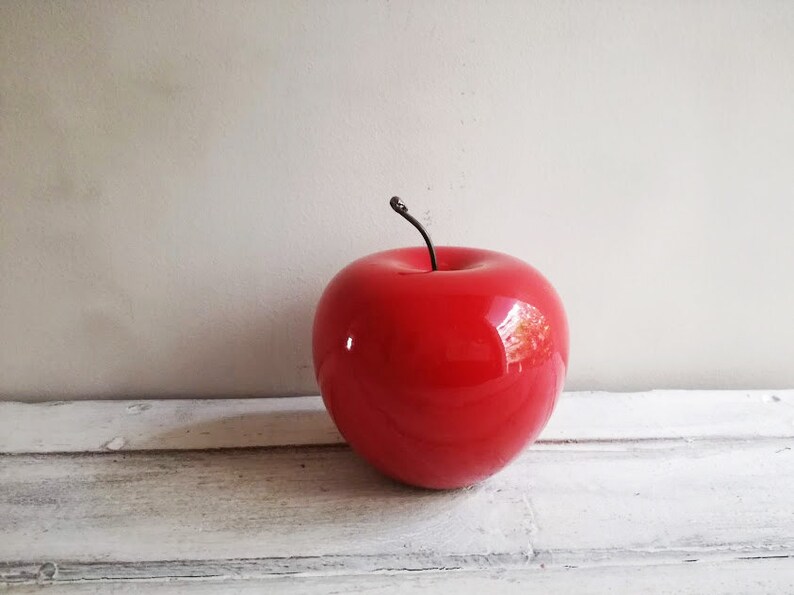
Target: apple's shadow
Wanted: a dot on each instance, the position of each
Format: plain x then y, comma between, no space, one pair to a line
293,426
276,492
213,473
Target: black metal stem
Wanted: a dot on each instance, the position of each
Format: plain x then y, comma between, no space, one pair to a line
400,208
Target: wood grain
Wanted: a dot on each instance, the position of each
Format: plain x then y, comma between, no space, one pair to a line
96,426
306,511
767,575
626,493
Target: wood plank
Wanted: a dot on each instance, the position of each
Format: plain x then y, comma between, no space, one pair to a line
96,426
321,511
766,575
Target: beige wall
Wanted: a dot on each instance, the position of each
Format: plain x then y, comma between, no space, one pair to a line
180,179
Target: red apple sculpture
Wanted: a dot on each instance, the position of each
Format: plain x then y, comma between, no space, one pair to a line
439,370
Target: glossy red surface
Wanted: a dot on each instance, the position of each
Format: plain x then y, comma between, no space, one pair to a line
439,378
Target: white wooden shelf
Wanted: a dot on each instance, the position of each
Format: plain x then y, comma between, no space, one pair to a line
667,491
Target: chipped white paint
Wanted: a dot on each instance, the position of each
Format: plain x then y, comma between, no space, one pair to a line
116,444
82,426
695,510
566,504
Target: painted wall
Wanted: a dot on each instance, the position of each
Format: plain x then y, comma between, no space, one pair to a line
180,179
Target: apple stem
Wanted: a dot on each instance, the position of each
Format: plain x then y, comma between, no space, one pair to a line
400,208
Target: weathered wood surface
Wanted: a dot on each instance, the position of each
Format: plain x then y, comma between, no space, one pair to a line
95,426
768,575
684,507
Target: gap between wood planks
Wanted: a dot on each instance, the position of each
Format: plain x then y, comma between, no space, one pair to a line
740,577
246,569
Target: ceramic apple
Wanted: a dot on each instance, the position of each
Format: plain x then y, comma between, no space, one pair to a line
439,365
